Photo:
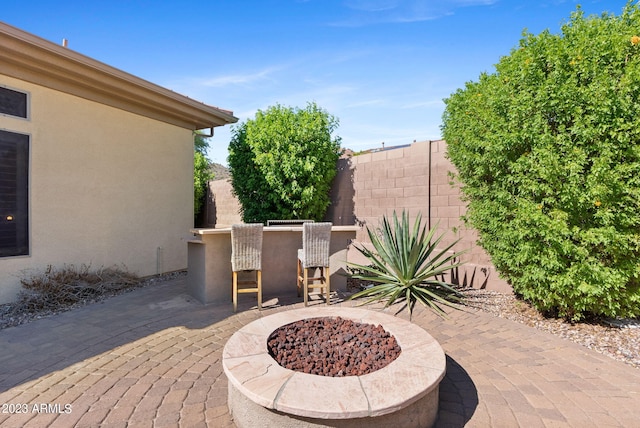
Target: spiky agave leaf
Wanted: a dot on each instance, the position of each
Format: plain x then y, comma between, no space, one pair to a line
405,264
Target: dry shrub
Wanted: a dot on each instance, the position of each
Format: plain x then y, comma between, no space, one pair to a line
58,288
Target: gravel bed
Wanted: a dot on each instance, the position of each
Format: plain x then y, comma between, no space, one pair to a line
618,339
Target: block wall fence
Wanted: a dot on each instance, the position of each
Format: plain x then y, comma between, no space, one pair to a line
368,186
222,208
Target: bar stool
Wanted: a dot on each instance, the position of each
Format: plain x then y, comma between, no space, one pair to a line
246,256
314,255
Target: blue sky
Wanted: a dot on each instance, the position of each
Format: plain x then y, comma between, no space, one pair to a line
382,67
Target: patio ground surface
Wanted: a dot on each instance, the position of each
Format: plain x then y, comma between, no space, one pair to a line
152,358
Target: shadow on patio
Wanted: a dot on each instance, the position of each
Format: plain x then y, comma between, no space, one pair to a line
152,357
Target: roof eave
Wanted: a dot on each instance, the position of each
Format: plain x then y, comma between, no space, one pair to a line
27,57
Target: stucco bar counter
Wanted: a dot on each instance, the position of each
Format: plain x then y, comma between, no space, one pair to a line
209,261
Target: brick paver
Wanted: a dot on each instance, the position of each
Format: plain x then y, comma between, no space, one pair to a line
152,358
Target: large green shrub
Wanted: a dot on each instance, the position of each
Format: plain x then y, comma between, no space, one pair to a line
547,149
282,163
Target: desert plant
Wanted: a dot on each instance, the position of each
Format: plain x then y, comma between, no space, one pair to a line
546,149
405,263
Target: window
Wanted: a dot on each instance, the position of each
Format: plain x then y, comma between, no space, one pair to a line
14,194
14,103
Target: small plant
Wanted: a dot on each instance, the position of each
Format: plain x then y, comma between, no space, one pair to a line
406,263
353,281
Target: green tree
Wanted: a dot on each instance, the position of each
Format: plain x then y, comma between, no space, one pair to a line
547,151
201,172
282,163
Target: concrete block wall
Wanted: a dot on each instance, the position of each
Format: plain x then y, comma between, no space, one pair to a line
446,209
372,185
415,178
222,208
388,180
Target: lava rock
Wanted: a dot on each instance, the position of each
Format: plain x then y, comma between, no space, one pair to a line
332,346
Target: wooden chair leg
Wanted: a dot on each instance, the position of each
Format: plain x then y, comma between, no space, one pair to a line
259,280
306,286
298,277
235,292
326,275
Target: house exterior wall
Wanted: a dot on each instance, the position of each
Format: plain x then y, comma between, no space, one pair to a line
107,187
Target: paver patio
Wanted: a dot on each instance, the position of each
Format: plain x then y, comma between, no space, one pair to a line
152,358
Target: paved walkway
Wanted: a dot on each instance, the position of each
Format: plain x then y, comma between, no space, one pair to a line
152,358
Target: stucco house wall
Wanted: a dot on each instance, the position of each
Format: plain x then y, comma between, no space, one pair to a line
107,185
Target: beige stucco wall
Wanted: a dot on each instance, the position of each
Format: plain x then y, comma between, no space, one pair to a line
106,187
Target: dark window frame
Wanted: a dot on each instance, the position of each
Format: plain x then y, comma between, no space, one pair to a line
15,103
14,194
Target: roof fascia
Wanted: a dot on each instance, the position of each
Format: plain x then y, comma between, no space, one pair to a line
27,57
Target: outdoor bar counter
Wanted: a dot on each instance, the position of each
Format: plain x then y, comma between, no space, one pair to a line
209,261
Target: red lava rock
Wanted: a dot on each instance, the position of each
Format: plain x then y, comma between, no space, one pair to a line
329,346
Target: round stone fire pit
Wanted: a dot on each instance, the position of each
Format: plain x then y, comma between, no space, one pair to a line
262,393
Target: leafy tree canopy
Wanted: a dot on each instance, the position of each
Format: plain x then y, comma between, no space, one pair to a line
201,171
547,150
200,143
282,163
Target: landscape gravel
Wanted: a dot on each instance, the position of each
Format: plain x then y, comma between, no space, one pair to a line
616,338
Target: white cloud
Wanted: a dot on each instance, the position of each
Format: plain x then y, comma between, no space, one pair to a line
372,5
368,12
238,79
431,103
366,103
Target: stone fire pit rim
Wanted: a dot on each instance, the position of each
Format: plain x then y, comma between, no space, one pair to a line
252,371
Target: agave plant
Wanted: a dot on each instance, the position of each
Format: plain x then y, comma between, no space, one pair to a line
406,265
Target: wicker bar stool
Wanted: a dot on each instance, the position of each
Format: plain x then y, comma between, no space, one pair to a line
314,255
246,255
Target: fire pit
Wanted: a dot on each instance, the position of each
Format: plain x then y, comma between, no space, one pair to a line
402,393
